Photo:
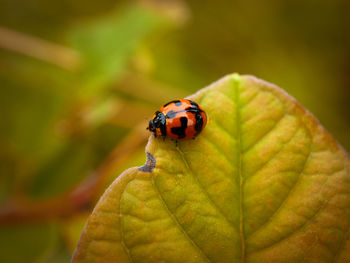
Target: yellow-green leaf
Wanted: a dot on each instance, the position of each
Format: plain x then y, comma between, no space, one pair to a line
263,182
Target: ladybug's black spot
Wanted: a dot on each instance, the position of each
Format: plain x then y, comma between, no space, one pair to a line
163,130
149,165
180,131
178,103
171,114
199,123
194,104
173,101
193,110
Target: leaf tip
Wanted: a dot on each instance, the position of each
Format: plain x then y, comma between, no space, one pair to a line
236,77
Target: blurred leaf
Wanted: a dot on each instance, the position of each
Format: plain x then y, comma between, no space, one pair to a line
65,169
27,243
37,95
49,19
107,44
264,182
137,159
72,229
28,105
59,255
101,112
9,165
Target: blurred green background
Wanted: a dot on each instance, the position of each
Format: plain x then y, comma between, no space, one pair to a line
80,79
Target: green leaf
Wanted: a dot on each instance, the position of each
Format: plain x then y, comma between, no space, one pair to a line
66,168
27,243
107,44
263,182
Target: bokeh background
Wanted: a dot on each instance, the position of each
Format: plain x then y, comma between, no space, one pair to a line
80,79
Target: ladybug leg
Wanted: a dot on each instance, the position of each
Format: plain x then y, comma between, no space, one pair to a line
163,138
176,143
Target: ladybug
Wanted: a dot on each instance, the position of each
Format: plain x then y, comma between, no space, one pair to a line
179,119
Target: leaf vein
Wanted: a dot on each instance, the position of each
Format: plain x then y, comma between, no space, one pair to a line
282,204
220,126
177,223
341,247
307,221
278,121
121,225
203,188
222,154
250,100
274,155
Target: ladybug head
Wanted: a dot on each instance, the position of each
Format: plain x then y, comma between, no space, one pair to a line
151,127
157,125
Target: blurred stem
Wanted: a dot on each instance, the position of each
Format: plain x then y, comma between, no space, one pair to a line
144,88
81,197
40,49
177,10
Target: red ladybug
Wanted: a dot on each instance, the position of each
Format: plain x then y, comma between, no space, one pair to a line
179,119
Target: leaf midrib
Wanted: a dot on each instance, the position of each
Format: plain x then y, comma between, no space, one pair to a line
239,165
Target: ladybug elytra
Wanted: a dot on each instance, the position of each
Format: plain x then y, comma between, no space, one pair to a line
181,119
